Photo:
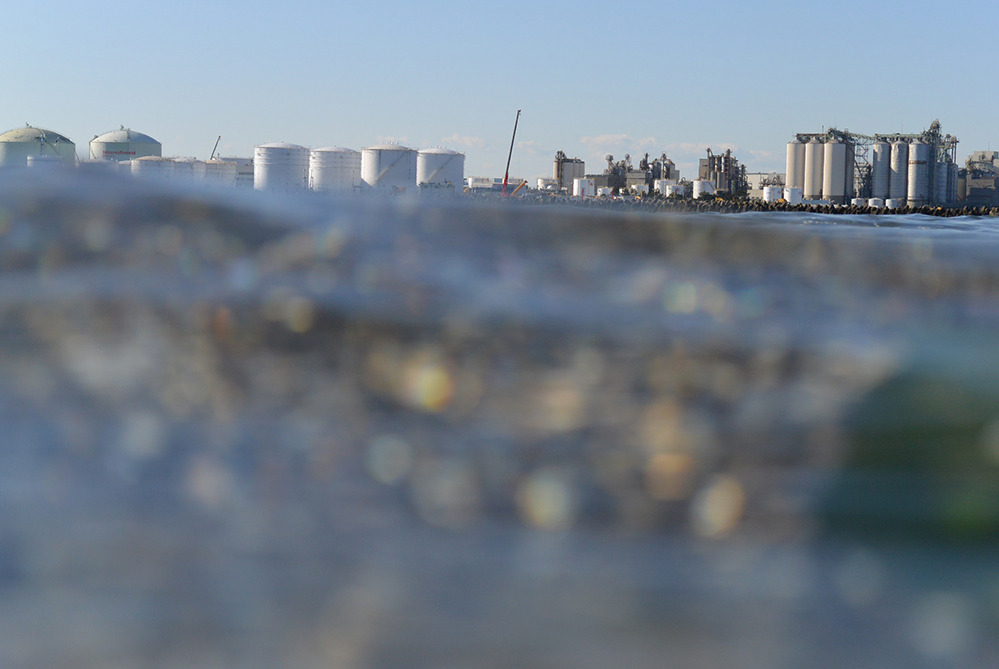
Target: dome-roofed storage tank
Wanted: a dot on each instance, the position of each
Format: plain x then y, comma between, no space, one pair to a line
123,144
919,174
16,145
834,171
440,167
388,167
880,169
334,169
280,167
813,169
898,173
795,167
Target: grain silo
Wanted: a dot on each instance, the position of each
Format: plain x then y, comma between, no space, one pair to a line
813,169
388,167
334,169
880,169
123,144
440,167
280,167
919,174
834,171
795,172
898,173
16,145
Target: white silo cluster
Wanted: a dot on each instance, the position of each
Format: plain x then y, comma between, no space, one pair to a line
894,169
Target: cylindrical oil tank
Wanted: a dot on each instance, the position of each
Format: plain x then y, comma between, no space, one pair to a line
877,202
440,167
795,166
16,145
334,169
220,172
675,190
894,203
772,193
880,169
834,171
858,201
898,173
280,167
813,169
793,195
703,188
123,144
919,174
660,185
189,169
388,167
45,162
583,187
155,167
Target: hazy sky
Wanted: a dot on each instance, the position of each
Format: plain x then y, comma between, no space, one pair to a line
592,78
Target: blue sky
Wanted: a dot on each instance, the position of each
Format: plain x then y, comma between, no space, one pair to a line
591,77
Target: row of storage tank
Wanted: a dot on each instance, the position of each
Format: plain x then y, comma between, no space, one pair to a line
902,170
795,195
281,167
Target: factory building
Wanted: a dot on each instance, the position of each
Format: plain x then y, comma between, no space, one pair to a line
123,144
840,166
567,170
20,146
723,171
978,181
650,175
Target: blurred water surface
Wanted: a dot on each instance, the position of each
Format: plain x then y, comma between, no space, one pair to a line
242,430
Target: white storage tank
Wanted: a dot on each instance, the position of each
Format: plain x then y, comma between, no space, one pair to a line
441,167
547,183
834,171
155,167
894,203
583,187
703,188
334,169
919,174
880,169
660,185
244,170
772,193
388,167
898,176
605,191
877,202
123,144
220,172
813,169
189,169
280,167
45,162
794,195
795,167
16,145
858,201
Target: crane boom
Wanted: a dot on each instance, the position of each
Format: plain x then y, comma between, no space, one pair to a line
506,175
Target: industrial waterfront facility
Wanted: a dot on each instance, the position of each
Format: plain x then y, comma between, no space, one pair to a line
833,166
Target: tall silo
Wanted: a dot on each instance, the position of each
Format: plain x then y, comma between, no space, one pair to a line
16,145
898,173
919,174
280,167
795,172
334,169
834,171
441,167
880,169
952,178
813,169
388,167
123,144
940,183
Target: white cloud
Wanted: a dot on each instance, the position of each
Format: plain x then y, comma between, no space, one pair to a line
464,141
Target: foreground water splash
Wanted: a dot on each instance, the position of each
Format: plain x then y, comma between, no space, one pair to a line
250,431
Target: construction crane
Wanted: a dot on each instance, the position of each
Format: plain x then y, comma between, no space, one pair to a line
506,175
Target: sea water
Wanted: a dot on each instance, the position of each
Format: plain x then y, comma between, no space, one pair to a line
250,430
